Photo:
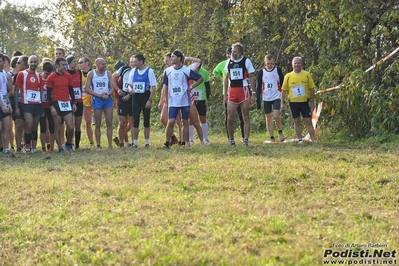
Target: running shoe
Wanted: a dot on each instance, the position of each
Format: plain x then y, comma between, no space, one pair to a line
173,140
206,142
281,137
68,148
245,143
116,141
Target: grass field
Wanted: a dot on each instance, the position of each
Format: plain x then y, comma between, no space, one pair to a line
217,205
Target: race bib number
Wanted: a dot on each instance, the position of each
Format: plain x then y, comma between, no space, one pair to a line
298,91
269,86
177,91
44,96
77,92
196,94
236,74
3,97
83,89
125,87
139,87
33,96
100,87
65,106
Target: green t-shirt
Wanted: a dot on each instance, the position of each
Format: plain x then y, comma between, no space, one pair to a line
200,90
219,70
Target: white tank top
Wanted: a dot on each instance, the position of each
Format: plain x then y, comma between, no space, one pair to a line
3,87
100,84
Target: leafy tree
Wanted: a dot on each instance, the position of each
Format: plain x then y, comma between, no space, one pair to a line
24,29
337,39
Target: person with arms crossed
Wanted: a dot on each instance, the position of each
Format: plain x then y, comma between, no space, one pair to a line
268,85
299,86
142,84
61,97
239,69
177,92
101,86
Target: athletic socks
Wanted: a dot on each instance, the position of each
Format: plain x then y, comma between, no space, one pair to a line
191,133
205,130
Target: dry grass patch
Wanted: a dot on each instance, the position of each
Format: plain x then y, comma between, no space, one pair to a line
262,205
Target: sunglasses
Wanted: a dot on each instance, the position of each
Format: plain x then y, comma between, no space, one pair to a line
81,62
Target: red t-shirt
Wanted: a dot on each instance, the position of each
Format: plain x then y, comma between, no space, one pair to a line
77,84
30,84
44,94
60,85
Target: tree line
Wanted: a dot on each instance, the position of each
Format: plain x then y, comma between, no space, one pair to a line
338,40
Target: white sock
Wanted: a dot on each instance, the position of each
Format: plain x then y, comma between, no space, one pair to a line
135,142
191,132
205,130
146,141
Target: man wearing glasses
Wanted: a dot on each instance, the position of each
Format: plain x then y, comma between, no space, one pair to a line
84,65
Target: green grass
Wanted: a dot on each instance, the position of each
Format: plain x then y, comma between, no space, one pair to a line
217,205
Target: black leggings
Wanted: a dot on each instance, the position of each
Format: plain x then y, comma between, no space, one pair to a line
139,101
47,117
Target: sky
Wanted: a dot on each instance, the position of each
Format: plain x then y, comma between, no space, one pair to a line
27,2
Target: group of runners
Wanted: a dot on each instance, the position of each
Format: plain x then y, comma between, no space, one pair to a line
67,90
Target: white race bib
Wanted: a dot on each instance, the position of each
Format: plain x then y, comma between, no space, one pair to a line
44,96
77,92
65,106
176,91
125,87
139,87
3,97
33,96
269,86
298,91
236,74
196,94
100,87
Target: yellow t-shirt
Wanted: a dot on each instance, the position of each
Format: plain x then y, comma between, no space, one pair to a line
86,97
297,86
